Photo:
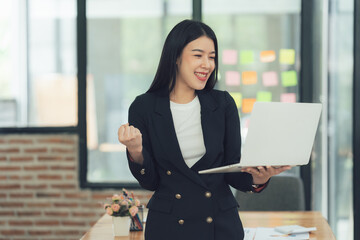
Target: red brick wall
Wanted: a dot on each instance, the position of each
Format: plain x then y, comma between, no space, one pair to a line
40,196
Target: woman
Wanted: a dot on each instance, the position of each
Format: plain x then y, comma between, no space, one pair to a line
182,125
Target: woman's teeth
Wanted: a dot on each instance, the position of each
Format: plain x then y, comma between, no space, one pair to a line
200,75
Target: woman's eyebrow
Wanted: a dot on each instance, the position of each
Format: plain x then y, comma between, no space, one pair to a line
200,50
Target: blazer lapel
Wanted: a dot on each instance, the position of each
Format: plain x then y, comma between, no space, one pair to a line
164,125
209,127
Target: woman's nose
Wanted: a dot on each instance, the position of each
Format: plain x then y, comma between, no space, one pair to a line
206,63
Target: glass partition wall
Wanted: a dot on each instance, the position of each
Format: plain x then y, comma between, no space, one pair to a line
333,74
259,51
125,40
341,22
259,60
38,63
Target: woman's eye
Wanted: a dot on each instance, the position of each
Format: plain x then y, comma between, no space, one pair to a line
212,58
197,55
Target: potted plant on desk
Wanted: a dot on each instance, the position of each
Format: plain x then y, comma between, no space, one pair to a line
124,211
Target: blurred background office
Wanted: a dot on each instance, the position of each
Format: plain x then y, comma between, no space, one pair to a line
69,70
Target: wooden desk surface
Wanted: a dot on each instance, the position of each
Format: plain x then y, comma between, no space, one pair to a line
102,230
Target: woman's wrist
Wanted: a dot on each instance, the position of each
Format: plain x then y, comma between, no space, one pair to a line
136,155
260,183
135,151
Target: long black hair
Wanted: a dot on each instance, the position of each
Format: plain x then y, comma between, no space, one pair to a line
183,33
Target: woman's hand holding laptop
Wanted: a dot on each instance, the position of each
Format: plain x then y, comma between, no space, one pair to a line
261,175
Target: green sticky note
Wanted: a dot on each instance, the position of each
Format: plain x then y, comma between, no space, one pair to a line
247,57
237,98
287,56
289,78
264,96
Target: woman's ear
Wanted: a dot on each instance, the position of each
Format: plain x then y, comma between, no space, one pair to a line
178,62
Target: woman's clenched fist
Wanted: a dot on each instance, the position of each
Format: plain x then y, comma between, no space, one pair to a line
131,137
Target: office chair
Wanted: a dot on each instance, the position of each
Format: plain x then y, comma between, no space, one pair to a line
283,193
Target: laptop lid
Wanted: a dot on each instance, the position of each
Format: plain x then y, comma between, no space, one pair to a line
279,134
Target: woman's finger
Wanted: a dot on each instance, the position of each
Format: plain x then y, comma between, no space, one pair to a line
137,132
251,170
262,170
121,131
125,132
131,132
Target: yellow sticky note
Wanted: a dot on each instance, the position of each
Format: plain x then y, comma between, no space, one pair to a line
237,98
264,96
267,56
287,56
249,77
247,104
289,78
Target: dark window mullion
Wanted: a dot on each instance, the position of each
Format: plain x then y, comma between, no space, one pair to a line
42,130
306,85
197,10
81,63
356,121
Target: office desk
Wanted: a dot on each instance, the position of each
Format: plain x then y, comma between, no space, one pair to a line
102,230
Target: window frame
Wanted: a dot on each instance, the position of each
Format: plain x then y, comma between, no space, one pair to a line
305,91
82,125
24,9
33,129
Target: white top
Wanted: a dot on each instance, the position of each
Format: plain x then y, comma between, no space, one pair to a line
187,122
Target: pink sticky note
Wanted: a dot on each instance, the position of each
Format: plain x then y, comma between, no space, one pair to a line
270,79
232,78
229,57
288,97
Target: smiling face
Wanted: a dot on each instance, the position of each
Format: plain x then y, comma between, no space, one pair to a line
195,65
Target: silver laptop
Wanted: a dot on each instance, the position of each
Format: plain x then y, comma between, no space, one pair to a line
279,134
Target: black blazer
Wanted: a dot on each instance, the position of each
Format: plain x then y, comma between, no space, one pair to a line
187,205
